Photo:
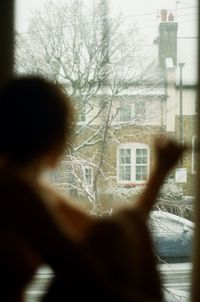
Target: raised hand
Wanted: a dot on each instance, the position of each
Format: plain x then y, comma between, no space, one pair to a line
168,152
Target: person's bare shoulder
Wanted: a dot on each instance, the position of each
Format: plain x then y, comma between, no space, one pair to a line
20,202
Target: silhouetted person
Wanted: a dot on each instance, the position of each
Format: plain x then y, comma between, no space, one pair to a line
108,259
36,124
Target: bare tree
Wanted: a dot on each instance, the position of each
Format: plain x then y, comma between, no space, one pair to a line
102,65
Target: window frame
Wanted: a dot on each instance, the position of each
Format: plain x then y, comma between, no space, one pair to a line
129,107
7,59
133,147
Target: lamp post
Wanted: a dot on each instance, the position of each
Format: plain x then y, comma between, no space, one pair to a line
181,107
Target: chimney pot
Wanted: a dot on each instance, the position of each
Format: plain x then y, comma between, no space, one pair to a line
171,17
163,15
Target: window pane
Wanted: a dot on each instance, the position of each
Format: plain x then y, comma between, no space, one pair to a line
125,156
141,173
88,175
125,173
121,61
125,113
141,156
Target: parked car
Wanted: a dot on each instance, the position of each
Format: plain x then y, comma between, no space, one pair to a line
173,236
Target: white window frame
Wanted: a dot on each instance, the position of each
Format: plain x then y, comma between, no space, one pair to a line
133,147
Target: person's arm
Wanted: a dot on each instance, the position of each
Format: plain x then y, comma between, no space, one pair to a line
168,152
75,221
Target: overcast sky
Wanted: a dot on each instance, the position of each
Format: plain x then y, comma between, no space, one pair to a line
145,13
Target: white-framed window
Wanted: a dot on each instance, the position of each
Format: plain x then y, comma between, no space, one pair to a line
133,163
126,112
194,154
130,111
88,176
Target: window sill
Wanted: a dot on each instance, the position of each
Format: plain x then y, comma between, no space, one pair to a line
132,184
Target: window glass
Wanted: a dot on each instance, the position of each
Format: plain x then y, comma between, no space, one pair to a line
133,164
88,175
125,156
124,164
125,112
141,164
131,69
141,173
140,109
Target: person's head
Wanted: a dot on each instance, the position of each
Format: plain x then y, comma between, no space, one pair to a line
36,119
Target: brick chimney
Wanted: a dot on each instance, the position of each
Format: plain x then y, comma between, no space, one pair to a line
167,38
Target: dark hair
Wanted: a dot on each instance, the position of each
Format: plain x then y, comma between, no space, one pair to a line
36,117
